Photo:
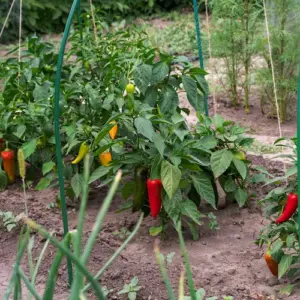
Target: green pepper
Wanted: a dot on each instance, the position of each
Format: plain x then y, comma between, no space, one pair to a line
140,192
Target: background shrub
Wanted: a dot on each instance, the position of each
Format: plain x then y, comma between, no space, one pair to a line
45,16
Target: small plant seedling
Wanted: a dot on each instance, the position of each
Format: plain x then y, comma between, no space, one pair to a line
8,220
168,258
131,289
107,291
213,222
51,205
122,234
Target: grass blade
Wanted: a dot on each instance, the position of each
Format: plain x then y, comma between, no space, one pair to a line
67,252
33,278
22,247
28,284
78,280
163,271
50,284
187,263
117,253
100,218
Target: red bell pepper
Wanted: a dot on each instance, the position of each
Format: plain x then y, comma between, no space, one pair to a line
289,209
154,196
8,156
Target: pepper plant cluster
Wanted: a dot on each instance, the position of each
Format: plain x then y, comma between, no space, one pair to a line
120,102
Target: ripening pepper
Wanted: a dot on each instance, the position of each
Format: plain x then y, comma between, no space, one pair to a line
271,263
114,130
83,150
154,196
105,158
289,209
140,192
8,156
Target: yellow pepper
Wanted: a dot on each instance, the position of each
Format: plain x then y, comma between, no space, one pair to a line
105,158
83,150
114,130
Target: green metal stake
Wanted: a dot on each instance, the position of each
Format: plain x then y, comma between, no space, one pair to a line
199,44
298,155
56,127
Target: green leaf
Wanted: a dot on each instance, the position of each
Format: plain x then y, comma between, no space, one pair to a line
209,142
218,121
195,99
181,133
170,101
159,72
159,143
194,231
142,76
128,189
287,290
43,183
98,173
41,92
291,171
203,185
125,206
276,247
220,161
172,206
284,265
154,231
241,196
3,180
47,167
241,167
20,131
144,127
290,241
229,185
170,176
156,168
151,96
29,148
189,209
76,184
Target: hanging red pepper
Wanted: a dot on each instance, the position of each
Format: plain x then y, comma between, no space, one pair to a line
289,209
154,196
8,156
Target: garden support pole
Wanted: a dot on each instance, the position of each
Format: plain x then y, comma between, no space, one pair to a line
298,155
199,44
56,126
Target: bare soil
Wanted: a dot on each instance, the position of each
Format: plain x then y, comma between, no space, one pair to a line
224,262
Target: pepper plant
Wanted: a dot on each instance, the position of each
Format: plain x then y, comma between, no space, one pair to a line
281,236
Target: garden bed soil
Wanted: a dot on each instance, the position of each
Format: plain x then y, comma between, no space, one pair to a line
224,262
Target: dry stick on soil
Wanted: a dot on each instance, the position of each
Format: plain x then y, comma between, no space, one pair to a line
210,55
7,17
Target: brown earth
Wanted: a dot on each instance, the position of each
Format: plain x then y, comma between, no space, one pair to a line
224,262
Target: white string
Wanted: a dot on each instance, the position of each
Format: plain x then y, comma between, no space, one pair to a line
20,36
210,55
272,68
273,78
94,23
7,17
